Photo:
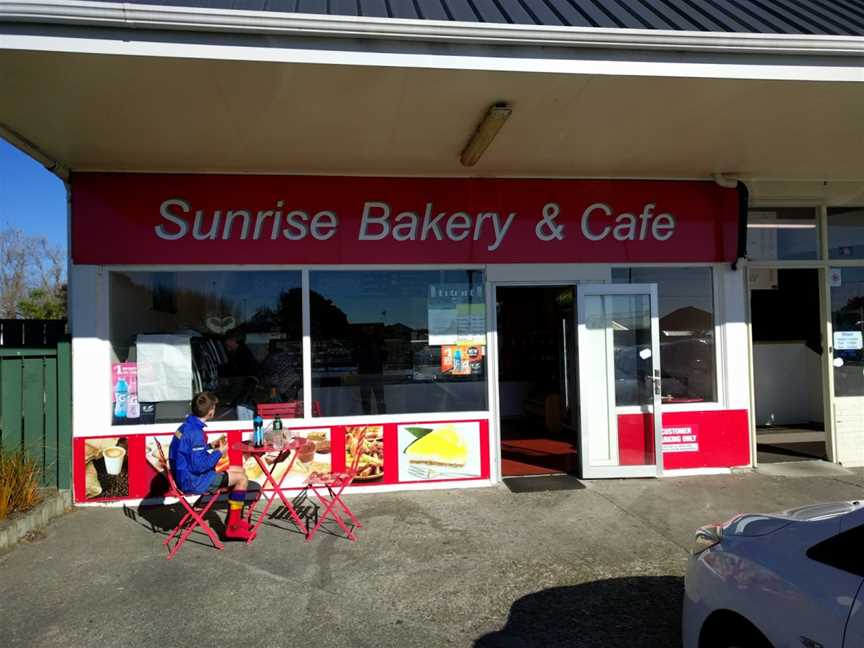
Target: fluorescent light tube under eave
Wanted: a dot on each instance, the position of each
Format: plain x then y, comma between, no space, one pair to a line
485,132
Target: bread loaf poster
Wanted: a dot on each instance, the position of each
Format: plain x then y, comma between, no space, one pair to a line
433,451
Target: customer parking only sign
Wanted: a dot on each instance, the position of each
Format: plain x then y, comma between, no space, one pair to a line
681,439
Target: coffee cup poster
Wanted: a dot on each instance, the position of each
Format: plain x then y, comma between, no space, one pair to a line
439,451
106,468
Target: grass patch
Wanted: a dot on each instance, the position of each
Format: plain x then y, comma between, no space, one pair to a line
19,483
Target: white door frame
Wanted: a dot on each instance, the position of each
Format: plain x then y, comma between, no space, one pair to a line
587,371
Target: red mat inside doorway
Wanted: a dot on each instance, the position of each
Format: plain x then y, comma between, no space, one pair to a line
537,456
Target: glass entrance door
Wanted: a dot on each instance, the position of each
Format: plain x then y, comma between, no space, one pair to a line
619,367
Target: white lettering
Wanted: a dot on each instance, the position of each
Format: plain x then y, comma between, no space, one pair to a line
214,226
183,226
586,215
625,230
645,216
260,217
456,222
380,220
229,221
431,224
406,230
500,231
296,225
478,226
324,225
663,227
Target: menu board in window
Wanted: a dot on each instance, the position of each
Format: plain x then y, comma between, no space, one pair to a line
457,314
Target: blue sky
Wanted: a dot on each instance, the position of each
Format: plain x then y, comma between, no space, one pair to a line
31,198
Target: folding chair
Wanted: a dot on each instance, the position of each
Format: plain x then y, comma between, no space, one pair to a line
195,512
287,410
336,483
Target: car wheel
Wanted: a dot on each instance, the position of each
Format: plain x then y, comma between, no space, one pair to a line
734,633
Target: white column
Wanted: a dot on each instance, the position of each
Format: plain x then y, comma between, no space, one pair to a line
91,351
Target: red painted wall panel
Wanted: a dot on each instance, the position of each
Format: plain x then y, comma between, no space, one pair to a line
723,438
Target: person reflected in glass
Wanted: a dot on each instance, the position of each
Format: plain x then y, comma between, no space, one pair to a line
370,355
241,372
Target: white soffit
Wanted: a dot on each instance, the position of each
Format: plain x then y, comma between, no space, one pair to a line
93,112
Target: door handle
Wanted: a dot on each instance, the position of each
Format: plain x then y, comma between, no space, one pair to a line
807,642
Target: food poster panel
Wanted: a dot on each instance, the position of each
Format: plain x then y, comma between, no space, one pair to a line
440,451
366,444
313,454
216,440
105,465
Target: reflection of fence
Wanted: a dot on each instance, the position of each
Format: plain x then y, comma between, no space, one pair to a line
31,334
36,408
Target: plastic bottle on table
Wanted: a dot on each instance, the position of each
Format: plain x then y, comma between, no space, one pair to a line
258,431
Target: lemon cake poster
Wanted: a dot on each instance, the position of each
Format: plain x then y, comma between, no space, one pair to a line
439,451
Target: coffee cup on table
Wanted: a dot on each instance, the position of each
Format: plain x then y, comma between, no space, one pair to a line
113,457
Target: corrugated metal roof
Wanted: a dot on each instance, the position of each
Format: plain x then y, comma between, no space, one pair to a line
800,17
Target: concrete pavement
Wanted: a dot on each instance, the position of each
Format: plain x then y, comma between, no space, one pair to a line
595,567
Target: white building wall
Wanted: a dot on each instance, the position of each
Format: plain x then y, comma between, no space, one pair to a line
735,342
91,352
849,429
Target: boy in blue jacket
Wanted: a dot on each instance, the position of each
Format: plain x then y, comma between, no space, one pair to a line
193,465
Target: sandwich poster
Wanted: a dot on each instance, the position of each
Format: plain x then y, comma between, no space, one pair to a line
432,451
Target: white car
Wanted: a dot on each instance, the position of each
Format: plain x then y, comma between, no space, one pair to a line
782,580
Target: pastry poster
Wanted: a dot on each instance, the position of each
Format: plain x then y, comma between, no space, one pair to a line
368,441
311,456
430,451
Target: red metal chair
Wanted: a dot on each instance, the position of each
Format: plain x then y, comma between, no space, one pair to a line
195,512
336,483
287,410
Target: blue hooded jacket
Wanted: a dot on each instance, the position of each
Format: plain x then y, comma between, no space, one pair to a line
192,461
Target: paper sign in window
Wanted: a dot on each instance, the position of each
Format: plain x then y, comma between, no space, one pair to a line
848,341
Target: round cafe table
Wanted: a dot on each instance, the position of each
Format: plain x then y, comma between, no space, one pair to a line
284,453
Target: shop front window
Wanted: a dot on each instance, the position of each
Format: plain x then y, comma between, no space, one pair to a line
847,316
395,342
687,353
782,234
846,233
173,334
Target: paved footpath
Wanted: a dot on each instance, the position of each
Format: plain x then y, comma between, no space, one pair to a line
488,568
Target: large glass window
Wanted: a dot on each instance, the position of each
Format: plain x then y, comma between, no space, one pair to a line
784,233
388,342
847,314
687,356
237,334
846,233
